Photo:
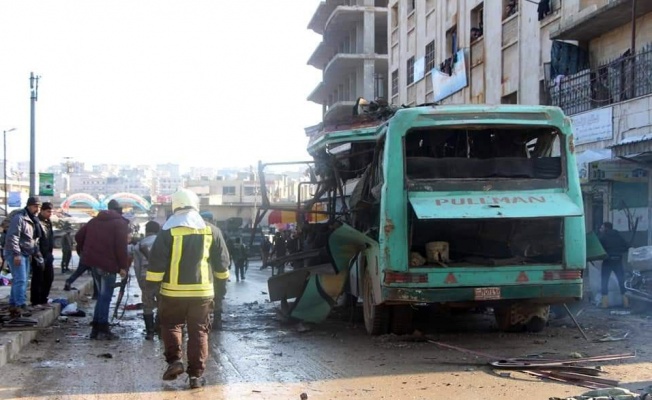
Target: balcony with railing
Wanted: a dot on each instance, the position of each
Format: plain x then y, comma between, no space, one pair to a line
622,79
591,24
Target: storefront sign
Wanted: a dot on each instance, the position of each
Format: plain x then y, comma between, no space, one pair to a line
617,170
593,126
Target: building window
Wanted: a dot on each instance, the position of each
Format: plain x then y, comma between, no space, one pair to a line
547,8
228,191
430,56
395,83
477,22
451,41
395,16
430,5
410,70
411,6
511,98
510,7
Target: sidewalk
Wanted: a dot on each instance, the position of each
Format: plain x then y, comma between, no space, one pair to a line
11,342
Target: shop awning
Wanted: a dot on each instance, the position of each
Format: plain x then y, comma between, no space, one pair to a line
634,145
585,158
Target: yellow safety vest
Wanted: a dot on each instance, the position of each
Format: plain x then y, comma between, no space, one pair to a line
203,287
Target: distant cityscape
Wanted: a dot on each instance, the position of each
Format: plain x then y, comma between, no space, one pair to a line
228,192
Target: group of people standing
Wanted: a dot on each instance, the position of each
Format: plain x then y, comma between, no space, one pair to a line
182,268
27,246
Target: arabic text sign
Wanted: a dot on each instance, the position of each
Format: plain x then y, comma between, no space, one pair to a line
593,126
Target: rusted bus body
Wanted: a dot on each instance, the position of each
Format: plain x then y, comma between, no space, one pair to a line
497,184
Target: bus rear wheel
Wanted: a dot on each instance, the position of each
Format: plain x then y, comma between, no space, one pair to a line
376,317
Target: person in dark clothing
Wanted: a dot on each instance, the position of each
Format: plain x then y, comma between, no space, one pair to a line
239,256
279,250
614,245
66,249
265,247
543,9
21,246
43,272
103,244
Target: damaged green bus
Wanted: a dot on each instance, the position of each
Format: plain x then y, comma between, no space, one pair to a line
460,206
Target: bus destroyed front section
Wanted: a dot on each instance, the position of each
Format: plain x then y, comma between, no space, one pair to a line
316,288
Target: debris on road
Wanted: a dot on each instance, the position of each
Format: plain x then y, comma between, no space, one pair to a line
565,371
610,338
607,393
303,396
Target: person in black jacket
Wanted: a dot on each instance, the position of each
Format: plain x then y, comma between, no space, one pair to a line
615,246
43,272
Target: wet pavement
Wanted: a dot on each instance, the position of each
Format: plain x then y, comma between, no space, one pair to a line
260,355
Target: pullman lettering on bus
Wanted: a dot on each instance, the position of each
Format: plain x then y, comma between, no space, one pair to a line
470,201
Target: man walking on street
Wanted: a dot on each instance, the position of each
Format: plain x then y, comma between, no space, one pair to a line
187,256
140,254
103,243
66,248
21,244
239,257
43,272
615,246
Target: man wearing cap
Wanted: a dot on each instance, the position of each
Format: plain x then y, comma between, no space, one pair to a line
43,273
21,244
103,244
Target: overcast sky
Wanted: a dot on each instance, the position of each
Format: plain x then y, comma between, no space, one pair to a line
199,82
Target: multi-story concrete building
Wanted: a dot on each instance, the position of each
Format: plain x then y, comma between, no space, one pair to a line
469,51
352,54
603,80
172,170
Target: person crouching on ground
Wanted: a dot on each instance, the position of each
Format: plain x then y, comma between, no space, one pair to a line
187,256
103,244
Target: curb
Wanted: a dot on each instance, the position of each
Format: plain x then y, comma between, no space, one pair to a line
11,343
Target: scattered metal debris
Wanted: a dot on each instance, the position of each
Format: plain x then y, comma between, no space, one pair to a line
566,371
577,324
610,338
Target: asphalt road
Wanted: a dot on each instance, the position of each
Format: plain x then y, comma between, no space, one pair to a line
259,355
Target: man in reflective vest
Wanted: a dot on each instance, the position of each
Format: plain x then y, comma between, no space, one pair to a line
187,256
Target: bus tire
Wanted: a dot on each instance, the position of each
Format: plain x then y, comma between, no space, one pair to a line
376,317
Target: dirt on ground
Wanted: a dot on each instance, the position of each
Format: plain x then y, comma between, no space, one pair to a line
261,355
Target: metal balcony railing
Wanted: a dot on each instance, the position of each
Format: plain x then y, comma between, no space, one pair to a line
622,79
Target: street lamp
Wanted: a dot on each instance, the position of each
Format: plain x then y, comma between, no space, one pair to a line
4,134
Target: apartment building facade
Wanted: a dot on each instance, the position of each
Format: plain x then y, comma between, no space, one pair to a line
609,98
469,51
352,54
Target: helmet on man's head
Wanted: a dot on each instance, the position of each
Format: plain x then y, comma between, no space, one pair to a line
184,198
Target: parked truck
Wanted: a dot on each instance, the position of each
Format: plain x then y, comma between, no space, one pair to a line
461,206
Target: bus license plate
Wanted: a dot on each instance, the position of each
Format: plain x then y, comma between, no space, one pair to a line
487,293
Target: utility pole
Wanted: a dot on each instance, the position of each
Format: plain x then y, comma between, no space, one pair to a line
33,85
4,134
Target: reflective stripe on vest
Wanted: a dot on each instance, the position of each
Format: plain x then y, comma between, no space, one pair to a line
204,288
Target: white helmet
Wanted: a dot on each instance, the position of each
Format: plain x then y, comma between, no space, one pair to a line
184,198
